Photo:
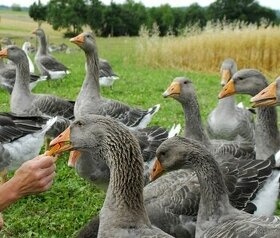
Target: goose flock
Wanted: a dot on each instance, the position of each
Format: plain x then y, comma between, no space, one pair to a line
217,180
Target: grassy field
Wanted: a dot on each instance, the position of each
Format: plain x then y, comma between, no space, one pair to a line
71,201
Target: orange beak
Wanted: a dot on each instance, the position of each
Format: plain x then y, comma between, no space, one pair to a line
60,144
266,97
227,90
73,158
78,40
172,90
156,171
4,53
226,75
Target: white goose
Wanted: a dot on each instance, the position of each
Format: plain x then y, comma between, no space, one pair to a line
26,48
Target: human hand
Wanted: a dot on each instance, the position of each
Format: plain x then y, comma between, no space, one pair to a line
34,176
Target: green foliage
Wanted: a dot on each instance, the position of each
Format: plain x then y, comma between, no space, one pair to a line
127,18
69,14
38,12
16,7
247,11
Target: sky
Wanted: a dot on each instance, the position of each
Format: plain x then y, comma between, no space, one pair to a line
274,4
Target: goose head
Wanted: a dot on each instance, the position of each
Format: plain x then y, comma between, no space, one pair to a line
173,154
228,68
101,141
13,53
269,96
244,81
181,89
39,32
85,40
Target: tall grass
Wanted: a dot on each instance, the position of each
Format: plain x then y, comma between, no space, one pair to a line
250,46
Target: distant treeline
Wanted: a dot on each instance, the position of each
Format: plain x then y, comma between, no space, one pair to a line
127,18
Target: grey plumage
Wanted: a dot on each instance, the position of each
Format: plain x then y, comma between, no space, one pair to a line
23,101
123,213
90,100
47,64
216,217
251,82
227,120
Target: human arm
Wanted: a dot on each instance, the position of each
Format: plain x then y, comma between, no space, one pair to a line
34,176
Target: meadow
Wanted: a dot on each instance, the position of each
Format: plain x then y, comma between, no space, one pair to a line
146,66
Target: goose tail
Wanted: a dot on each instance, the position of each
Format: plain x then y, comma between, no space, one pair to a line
48,125
175,130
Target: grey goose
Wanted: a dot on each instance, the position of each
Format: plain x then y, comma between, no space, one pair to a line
228,120
269,96
90,100
123,213
47,64
216,216
23,101
183,91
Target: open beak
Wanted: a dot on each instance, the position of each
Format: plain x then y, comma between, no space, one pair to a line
227,90
73,157
266,97
226,75
172,90
78,40
156,171
4,53
60,144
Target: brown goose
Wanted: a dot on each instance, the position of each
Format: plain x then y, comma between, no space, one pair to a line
90,100
23,101
269,96
216,217
182,90
46,64
123,213
227,120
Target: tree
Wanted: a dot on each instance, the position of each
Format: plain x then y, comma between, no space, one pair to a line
38,12
95,15
195,14
16,7
248,11
163,17
67,14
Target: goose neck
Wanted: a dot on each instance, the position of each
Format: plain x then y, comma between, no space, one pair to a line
22,78
42,45
193,123
92,74
214,200
125,191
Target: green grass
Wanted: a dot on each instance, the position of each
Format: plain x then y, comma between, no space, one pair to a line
72,201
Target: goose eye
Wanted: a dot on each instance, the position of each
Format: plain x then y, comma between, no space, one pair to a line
185,82
79,123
